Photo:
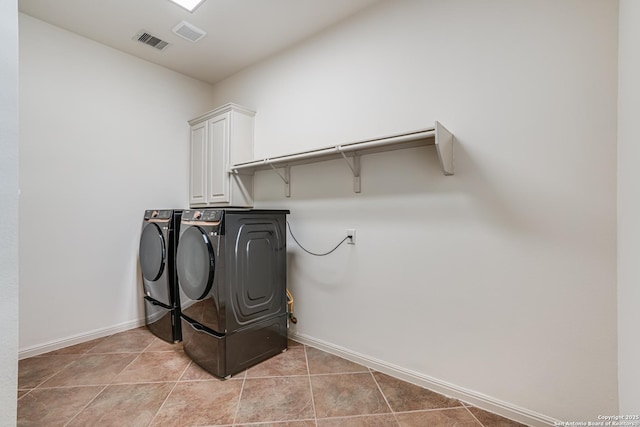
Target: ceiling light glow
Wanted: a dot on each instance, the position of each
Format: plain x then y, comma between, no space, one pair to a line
190,5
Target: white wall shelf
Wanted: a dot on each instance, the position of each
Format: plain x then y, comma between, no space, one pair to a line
350,152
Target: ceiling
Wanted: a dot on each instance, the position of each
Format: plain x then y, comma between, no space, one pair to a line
239,32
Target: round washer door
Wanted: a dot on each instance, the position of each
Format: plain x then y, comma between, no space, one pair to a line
195,263
152,252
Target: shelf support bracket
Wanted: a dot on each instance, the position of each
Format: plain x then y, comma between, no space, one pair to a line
355,168
286,178
444,147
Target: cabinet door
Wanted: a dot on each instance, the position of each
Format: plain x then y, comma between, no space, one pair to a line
197,165
218,157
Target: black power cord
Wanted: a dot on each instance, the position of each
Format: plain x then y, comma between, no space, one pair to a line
309,252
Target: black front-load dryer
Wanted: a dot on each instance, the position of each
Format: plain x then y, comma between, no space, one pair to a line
158,245
231,266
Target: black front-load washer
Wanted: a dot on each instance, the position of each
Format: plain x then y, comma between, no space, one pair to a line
158,244
231,266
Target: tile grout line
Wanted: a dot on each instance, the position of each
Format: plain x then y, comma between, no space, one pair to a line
80,356
111,382
384,396
340,373
469,411
84,385
87,405
417,411
235,416
27,392
343,417
185,371
170,391
313,401
262,377
87,353
57,372
163,403
149,345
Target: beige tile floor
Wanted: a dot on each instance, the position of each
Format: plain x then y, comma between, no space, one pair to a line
135,379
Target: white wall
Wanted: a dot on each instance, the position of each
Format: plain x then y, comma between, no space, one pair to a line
9,203
104,136
629,208
500,280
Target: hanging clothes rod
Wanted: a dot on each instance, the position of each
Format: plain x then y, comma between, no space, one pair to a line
320,153
437,135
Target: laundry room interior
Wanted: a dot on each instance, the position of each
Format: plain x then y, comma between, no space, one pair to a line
510,284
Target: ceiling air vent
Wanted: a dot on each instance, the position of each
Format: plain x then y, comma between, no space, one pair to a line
151,40
188,31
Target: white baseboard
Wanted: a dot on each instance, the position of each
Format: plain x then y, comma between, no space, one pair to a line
471,397
77,339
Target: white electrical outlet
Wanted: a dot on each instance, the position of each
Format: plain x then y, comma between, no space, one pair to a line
351,233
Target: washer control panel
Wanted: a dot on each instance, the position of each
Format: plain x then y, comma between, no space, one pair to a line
158,214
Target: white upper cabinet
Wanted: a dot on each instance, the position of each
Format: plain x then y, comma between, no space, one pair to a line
197,164
221,138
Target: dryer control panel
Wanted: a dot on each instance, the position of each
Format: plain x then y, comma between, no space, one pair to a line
205,215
